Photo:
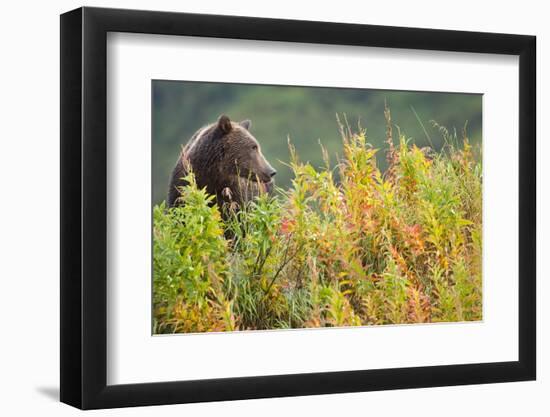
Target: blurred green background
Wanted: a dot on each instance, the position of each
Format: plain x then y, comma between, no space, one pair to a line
305,114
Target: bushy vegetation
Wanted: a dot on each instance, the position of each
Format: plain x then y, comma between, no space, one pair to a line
345,245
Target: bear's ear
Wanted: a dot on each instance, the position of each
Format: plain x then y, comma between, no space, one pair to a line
224,124
246,124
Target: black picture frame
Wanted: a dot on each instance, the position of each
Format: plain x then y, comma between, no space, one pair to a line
84,207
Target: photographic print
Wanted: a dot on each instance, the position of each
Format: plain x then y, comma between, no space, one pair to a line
290,207
329,196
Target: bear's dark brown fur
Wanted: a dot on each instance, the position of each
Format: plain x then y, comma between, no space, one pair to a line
227,160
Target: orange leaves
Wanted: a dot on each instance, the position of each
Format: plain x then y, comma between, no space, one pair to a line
399,259
414,239
419,307
287,226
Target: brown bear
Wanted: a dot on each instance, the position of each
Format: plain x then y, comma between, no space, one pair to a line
227,160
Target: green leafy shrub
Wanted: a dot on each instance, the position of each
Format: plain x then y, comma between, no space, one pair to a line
189,269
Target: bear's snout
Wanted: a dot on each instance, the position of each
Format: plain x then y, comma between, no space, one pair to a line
265,171
268,174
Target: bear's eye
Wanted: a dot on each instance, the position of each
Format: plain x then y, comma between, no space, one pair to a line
254,147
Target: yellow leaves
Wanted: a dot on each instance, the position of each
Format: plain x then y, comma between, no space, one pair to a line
419,306
339,311
228,316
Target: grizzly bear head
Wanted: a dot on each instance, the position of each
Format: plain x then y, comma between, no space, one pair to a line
226,160
242,154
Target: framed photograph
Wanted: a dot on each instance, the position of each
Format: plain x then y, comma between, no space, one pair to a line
257,208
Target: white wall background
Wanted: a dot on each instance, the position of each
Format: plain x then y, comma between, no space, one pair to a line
29,213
